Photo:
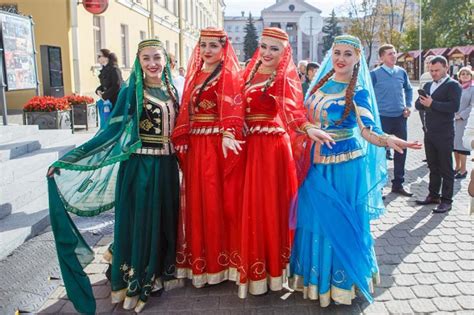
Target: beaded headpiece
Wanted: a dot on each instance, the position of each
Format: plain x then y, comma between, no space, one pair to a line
275,33
348,40
150,43
212,32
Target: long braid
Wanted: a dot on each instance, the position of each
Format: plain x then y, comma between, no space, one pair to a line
254,71
322,81
350,94
208,79
171,92
270,80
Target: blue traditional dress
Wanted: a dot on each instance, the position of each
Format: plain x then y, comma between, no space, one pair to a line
333,252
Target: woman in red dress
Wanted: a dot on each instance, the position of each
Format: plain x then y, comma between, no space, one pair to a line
206,137
276,121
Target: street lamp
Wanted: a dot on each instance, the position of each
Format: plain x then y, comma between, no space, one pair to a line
419,43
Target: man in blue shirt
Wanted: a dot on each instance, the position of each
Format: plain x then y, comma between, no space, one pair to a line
394,96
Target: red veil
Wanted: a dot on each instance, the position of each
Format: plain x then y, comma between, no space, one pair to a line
229,97
288,93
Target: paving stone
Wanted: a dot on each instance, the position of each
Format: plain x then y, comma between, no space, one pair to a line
374,308
52,306
424,291
405,280
426,278
446,289
464,237
465,276
105,306
447,277
428,267
448,239
448,266
402,293
382,295
429,257
422,306
430,248
446,304
96,268
231,302
466,255
465,246
466,301
448,247
398,307
412,258
394,249
466,288
466,264
448,256
433,240
205,303
101,291
408,268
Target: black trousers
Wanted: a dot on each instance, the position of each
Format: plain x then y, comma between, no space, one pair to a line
439,151
396,126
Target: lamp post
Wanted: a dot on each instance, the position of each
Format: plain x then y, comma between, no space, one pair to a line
419,43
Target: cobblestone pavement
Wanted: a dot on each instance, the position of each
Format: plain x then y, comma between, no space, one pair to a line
426,264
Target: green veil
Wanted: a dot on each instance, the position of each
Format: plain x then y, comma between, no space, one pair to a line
85,183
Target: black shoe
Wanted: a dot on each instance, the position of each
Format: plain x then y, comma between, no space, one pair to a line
428,201
460,175
442,208
402,191
425,160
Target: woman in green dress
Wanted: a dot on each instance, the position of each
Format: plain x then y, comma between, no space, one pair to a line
130,165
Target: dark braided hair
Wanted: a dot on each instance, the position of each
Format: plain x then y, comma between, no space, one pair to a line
322,81
350,94
270,80
171,91
254,71
208,79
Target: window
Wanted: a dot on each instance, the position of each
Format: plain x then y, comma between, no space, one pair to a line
124,45
142,35
229,28
99,42
176,51
237,28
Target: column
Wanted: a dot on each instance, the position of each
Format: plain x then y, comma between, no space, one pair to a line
299,49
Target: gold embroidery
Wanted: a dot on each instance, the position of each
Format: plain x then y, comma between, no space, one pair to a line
146,125
206,104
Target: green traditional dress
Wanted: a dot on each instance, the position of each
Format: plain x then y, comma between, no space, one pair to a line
130,165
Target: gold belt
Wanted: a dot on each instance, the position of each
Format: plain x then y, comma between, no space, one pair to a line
259,117
155,139
341,134
204,117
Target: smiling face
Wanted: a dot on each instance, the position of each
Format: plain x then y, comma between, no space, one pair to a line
344,58
210,50
152,61
465,76
271,52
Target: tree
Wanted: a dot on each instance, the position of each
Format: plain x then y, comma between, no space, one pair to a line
251,39
332,30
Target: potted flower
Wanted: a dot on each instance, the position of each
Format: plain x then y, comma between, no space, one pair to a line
84,110
48,113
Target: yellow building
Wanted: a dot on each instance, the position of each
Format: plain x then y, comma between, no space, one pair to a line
81,35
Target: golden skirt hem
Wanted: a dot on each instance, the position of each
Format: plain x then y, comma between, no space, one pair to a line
200,280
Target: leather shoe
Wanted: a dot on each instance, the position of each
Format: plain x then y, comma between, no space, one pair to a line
428,201
442,208
402,191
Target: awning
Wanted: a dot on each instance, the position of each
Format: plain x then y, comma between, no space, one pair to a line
415,53
465,50
436,52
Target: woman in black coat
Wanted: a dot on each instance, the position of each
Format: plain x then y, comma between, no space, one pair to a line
110,76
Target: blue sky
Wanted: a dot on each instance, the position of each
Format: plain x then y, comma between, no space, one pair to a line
234,7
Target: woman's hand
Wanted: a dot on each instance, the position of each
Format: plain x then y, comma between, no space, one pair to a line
399,145
320,136
181,148
231,144
51,171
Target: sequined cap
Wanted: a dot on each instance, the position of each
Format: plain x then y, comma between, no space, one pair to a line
348,40
276,33
150,43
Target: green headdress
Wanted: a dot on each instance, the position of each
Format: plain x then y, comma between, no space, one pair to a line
348,40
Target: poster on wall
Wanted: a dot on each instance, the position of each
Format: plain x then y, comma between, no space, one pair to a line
18,52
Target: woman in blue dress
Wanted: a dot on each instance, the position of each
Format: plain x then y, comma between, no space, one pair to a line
333,250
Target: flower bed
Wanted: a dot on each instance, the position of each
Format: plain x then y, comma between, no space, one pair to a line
48,113
84,110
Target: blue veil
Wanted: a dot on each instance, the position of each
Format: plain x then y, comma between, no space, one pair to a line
375,159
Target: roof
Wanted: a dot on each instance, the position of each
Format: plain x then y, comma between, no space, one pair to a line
465,50
435,51
286,2
415,53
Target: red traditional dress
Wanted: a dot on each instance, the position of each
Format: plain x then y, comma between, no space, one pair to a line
270,180
208,234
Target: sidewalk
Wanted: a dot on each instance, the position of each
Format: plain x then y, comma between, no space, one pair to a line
426,265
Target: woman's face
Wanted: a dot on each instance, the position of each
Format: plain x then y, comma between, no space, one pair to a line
271,52
344,58
102,59
465,76
152,61
210,51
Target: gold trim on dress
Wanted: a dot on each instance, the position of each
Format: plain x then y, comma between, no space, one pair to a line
259,117
201,280
204,118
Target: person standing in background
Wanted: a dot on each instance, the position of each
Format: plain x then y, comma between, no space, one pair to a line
441,102
394,96
311,70
178,80
460,121
110,76
302,70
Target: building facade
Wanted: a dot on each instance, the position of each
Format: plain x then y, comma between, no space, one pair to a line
80,34
235,28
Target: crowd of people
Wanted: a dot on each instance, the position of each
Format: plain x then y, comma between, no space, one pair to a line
282,170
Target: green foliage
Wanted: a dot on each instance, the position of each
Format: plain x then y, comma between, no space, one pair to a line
251,38
332,30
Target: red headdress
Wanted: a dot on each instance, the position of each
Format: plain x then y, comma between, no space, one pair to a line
288,93
231,110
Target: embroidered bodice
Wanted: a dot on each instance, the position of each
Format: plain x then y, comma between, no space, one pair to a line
325,108
156,122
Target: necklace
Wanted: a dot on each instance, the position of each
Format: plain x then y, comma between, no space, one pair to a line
265,70
152,85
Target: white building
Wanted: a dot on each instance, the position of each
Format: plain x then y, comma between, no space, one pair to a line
235,28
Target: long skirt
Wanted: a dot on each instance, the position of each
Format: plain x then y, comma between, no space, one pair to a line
146,217
207,239
332,253
270,184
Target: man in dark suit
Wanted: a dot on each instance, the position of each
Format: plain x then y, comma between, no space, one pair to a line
442,100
